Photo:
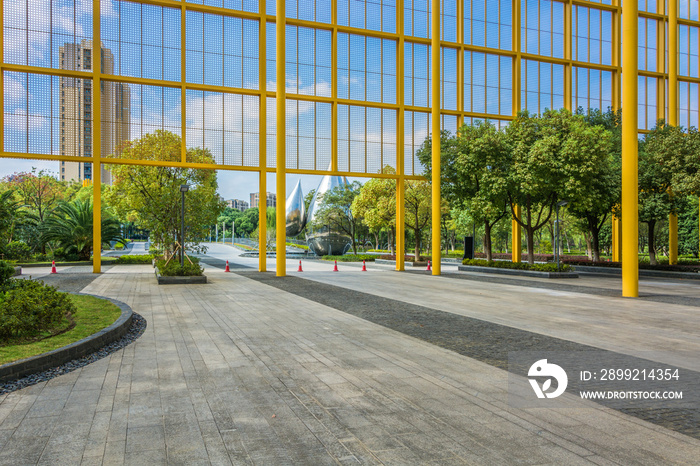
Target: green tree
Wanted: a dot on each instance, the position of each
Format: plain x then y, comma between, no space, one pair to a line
335,211
151,194
11,216
554,157
417,210
593,204
661,154
70,225
376,205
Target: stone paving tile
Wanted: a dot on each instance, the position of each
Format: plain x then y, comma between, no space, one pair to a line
238,372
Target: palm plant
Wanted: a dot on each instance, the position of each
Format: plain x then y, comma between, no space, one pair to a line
70,225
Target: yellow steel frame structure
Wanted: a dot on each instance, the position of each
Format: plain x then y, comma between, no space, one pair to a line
624,91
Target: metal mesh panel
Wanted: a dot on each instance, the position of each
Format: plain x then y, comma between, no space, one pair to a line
592,35
309,10
366,139
143,39
688,51
488,23
130,111
309,61
366,68
45,114
417,74
688,104
308,135
224,124
222,50
688,9
416,129
488,83
646,103
416,18
591,89
34,30
448,79
542,86
375,15
647,44
647,5
542,31
240,5
271,132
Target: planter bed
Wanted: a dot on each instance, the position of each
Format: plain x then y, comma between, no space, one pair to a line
642,272
178,280
57,357
522,273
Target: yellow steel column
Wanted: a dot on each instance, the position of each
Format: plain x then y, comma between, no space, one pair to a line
567,55
435,49
183,80
630,214
281,146
672,110
2,81
460,65
617,104
96,140
400,115
262,140
334,88
516,234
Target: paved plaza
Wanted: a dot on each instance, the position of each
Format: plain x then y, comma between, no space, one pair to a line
353,367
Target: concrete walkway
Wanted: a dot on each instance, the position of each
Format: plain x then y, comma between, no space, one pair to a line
239,372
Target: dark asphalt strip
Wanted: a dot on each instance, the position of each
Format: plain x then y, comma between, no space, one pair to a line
484,341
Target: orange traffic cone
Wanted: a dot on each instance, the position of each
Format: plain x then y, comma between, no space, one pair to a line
227,269
53,267
299,267
335,267
428,269
364,268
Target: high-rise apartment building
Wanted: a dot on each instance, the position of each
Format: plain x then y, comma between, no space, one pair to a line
77,112
238,204
255,200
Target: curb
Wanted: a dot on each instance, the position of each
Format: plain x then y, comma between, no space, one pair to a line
405,263
57,357
522,273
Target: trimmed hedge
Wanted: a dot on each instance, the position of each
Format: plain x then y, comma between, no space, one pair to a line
683,266
517,265
173,268
351,258
135,259
407,258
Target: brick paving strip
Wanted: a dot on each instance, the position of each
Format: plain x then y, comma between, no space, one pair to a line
481,340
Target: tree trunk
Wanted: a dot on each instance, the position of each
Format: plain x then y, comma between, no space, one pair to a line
595,238
376,240
652,245
487,240
589,248
530,245
416,251
392,240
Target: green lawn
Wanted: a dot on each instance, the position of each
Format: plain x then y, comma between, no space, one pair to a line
93,315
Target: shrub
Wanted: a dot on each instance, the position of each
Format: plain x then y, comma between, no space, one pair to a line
6,272
173,269
517,265
351,258
30,307
135,259
18,250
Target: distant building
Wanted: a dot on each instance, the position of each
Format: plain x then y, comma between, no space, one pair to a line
255,200
237,204
77,112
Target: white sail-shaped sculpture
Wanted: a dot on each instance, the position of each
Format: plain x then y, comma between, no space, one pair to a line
320,238
295,211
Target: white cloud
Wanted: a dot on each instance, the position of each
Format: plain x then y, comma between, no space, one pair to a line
21,121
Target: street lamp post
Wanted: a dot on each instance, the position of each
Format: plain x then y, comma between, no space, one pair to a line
183,189
556,233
